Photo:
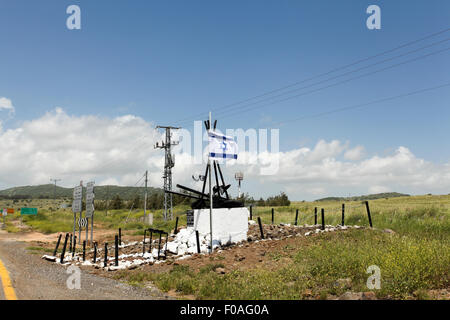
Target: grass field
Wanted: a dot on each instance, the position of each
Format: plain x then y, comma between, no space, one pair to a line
413,261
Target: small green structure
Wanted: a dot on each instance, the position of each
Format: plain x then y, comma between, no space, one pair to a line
28,211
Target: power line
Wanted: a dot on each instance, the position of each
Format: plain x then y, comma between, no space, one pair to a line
342,75
338,83
361,105
320,75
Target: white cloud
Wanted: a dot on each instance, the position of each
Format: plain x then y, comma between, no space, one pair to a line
6,103
355,154
379,189
114,151
305,173
77,148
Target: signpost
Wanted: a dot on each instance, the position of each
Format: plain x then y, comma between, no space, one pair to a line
77,207
90,207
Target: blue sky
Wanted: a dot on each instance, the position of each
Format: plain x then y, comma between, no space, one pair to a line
148,57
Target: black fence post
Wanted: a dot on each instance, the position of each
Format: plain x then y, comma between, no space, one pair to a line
315,216
323,219
251,212
74,246
105,263
165,247
176,226
95,252
70,243
84,250
116,256
64,248
151,240
260,228
273,215
159,245
296,217
343,214
57,245
368,213
198,241
120,236
143,243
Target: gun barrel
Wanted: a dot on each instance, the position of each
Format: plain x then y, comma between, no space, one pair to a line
183,194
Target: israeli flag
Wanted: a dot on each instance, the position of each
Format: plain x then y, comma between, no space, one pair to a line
221,146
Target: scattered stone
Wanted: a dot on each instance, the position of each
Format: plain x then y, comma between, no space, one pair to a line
369,295
351,296
238,258
389,231
307,293
49,258
343,283
220,270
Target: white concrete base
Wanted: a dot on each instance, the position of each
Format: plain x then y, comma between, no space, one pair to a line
228,225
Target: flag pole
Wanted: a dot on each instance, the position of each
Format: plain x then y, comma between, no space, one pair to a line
210,193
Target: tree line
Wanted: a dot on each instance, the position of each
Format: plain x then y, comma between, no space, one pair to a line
273,201
155,201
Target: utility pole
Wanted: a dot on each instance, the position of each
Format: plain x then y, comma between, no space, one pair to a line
107,199
145,195
210,193
168,165
55,181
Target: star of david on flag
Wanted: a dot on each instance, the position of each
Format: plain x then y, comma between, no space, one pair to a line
221,146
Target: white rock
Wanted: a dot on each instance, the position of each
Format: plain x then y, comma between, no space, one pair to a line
182,248
192,250
172,247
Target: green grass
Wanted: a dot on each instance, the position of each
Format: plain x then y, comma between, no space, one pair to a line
39,250
11,228
50,220
407,265
413,260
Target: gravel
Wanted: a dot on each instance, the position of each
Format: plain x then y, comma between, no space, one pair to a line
35,279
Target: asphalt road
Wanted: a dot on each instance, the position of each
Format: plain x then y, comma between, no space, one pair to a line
36,279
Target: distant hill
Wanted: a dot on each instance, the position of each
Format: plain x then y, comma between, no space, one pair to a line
366,197
46,191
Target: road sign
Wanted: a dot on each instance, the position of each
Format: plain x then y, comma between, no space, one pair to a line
29,211
89,210
82,223
77,193
89,197
90,207
90,187
76,206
